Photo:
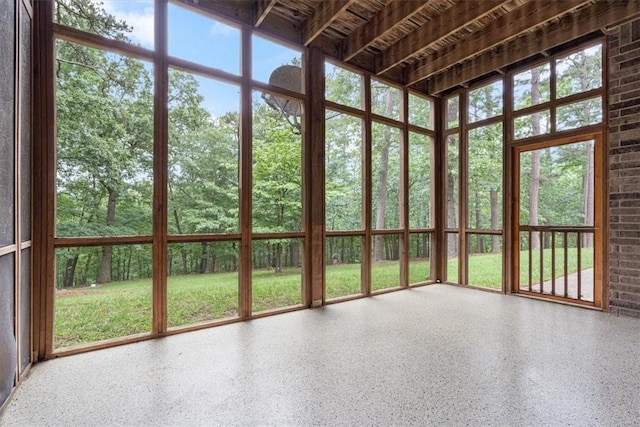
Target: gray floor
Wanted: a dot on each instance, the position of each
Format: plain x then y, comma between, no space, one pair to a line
437,355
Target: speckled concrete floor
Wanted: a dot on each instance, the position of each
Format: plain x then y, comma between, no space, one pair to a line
437,355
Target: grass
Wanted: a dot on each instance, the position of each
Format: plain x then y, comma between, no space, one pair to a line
86,315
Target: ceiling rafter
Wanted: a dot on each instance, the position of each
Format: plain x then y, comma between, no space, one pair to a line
384,21
588,20
501,30
443,25
321,18
261,8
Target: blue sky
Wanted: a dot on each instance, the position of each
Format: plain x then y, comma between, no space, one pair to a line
206,41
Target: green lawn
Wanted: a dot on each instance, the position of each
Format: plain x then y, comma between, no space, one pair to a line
86,315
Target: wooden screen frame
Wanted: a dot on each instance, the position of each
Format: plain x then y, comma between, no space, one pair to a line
599,213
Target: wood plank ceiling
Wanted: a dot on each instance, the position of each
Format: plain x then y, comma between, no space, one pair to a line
431,45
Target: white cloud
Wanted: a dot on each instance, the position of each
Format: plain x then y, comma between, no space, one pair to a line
219,29
138,15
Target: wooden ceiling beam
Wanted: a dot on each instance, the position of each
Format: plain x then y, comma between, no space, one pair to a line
595,17
501,30
451,20
321,18
389,16
261,9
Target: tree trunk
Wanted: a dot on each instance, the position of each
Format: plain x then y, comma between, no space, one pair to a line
203,258
104,272
495,223
70,271
183,251
278,258
588,186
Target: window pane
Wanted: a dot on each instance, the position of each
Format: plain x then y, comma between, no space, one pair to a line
203,282
131,21
485,178
386,100
25,130
532,87
277,273
532,124
579,72
420,111
203,40
277,170
7,125
453,112
104,112
101,293
343,86
25,309
557,185
484,267
385,175
452,258
485,102
277,65
421,248
203,155
343,171
420,180
343,269
8,351
453,180
385,266
579,114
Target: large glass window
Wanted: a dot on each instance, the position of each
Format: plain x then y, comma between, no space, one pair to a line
385,166
204,133
203,40
343,86
104,143
343,171
277,170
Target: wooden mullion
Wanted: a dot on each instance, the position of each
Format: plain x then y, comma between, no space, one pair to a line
17,199
439,152
334,233
44,178
69,242
552,97
404,192
344,109
367,186
95,41
5,250
246,132
421,130
463,187
507,186
514,219
386,231
387,121
202,70
160,169
484,122
197,238
600,241
275,90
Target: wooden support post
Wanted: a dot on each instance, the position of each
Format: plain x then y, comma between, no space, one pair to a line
314,156
160,170
246,136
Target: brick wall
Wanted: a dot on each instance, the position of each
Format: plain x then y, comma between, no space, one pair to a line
624,169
